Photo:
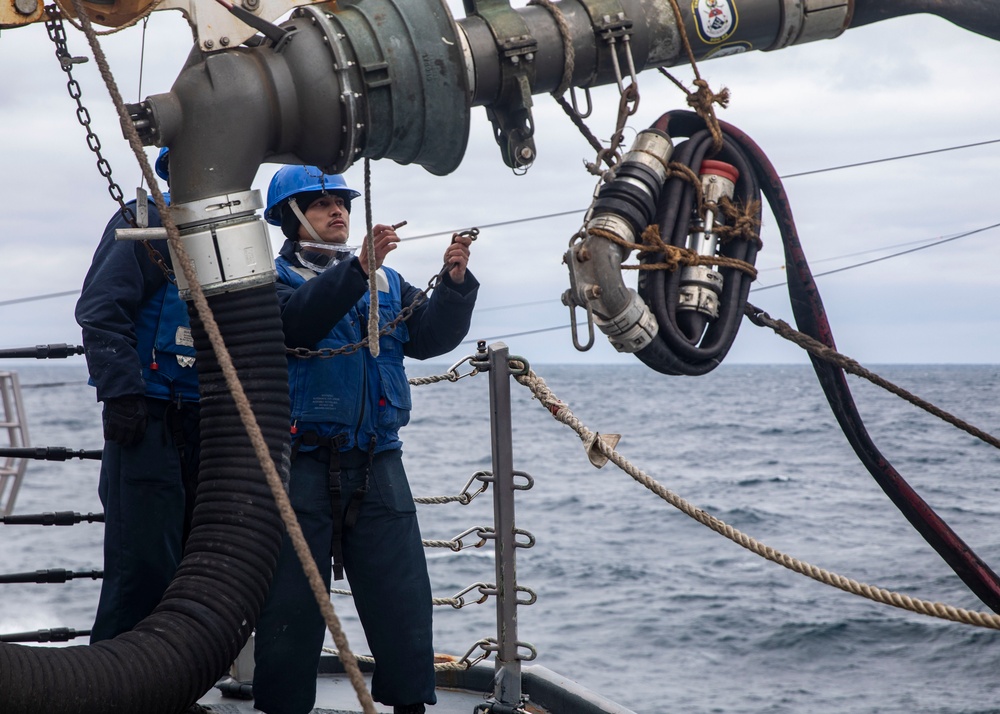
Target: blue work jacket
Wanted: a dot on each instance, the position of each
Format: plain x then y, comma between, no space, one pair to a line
136,333
357,395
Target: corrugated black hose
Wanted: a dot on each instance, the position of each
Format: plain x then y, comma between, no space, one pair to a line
210,608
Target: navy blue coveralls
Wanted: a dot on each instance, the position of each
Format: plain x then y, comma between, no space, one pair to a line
354,405
137,343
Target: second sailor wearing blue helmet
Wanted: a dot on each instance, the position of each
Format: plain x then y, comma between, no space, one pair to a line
348,486
141,359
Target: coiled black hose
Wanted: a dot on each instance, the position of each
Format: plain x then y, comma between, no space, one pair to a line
209,609
686,347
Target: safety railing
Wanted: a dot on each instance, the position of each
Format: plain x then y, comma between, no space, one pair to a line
15,435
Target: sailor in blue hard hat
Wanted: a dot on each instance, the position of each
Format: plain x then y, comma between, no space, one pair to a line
347,483
321,238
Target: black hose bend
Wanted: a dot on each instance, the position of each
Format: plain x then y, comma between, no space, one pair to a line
677,349
810,318
176,654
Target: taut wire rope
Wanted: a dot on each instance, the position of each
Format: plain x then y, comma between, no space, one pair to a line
818,349
560,411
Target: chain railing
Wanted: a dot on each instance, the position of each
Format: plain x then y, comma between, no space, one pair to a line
506,648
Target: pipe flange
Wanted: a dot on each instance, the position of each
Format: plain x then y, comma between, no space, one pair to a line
216,208
810,20
342,65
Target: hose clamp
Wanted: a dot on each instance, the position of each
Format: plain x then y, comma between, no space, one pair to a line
633,328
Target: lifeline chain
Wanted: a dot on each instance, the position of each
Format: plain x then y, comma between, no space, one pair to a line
57,33
404,315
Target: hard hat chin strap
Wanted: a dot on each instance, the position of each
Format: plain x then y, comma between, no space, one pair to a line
293,204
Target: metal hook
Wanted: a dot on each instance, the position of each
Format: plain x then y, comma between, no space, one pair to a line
573,326
576,108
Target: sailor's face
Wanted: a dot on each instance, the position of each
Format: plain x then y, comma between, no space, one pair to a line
329,218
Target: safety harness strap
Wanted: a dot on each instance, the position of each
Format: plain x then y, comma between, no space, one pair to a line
359,493
333,445
173,418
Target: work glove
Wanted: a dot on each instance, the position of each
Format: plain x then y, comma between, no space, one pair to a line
125,420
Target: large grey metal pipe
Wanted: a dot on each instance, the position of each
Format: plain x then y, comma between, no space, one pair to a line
390,79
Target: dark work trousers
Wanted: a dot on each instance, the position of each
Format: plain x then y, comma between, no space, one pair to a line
146,507
385,566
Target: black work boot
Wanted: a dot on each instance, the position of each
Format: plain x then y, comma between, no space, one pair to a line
408,709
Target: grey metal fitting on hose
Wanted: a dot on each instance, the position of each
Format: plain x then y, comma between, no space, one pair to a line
701,285
596,284
624,207
631,329
227,242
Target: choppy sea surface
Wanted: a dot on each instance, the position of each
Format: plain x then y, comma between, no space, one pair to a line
636,601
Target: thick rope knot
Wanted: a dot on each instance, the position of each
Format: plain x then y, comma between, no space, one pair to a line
701,101
651,238
674,257
743,222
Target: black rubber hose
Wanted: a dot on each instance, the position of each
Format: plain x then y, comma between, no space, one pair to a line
810,318
689,349
176,654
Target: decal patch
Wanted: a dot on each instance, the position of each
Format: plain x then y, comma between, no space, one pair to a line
735,48
716,20
183,337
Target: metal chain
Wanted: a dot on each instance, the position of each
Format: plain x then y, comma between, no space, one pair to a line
628,103
404,315
57,33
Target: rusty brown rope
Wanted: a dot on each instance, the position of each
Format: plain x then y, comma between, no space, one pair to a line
818,349
578,122
569,52
742,223
674,257
703,98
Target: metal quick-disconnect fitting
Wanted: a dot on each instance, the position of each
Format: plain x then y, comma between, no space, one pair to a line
634,186
701,285
631,329
625,205
227,242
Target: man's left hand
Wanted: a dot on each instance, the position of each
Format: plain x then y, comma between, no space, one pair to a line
457,257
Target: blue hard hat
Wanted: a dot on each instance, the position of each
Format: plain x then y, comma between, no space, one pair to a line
290,181
162,165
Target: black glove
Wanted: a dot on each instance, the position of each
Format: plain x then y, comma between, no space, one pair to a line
125,420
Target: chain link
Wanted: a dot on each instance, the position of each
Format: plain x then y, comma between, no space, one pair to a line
404,315
57,33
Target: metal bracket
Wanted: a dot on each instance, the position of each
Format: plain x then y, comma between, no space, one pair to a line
513,125
610,24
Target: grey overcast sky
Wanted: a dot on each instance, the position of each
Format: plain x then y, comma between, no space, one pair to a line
904,86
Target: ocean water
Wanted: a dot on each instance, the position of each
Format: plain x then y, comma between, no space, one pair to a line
635,600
